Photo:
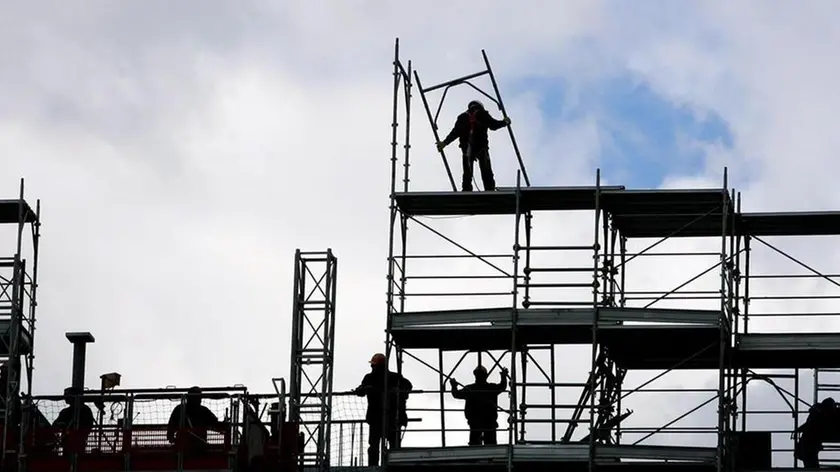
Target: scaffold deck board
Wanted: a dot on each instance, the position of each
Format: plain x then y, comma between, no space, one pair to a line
791,224
788,350
540,457
661,347
10,212
490,329
669,213
500,202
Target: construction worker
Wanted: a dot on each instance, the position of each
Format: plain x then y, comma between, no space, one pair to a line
822,421
481,405
197,419
75,422
471,132
393,406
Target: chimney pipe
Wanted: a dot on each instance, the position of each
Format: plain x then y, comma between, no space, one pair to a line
79,341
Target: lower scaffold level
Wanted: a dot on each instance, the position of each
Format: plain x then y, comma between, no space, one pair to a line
656,339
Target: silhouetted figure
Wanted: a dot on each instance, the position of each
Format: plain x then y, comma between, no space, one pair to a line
471,132
75,422
393,405
481,405
822,420
197,420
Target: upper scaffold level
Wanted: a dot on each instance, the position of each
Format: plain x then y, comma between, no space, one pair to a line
10,212
500,202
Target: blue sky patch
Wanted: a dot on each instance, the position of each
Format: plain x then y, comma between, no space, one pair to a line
644,136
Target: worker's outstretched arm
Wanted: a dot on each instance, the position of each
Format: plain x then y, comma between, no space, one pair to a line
504,383
453,135
364,387
459,394
492,123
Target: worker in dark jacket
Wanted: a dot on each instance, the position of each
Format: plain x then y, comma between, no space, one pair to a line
392,405
471,132
481,405
823,419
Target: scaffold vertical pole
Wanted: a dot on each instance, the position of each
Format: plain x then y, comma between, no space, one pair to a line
513,415
313,344
723,407
595,313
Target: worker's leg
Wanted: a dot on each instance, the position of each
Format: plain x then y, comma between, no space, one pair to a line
374,438
475,435
487,178
467,176
490,437
394,437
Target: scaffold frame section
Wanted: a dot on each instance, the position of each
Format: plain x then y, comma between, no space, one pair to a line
313,347
619,214
18,303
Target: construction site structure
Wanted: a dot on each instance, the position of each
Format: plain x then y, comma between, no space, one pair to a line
138,429
623,335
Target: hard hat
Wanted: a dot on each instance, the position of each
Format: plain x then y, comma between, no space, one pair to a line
377,359
480,370
475,104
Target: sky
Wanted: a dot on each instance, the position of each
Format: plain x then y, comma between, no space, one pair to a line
182,152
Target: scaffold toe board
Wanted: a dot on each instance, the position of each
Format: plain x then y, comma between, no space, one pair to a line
503,201
532,455
662,346
788,350
670,213
790,224
6,334
10,212
490,329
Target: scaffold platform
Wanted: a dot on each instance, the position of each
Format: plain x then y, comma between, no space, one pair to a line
10,212
543,457
689,333
500,202
788,350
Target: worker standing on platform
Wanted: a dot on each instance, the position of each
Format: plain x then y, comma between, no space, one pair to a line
471,132
481,405
393,406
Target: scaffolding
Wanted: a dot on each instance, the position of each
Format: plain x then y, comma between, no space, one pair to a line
562,293
18,287
312,356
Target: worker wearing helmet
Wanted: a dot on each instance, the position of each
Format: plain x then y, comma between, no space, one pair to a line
481,405
471,132
393,406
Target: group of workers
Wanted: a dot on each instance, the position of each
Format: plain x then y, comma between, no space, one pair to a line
387,416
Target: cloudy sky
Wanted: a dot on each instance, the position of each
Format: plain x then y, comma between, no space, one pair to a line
182,151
